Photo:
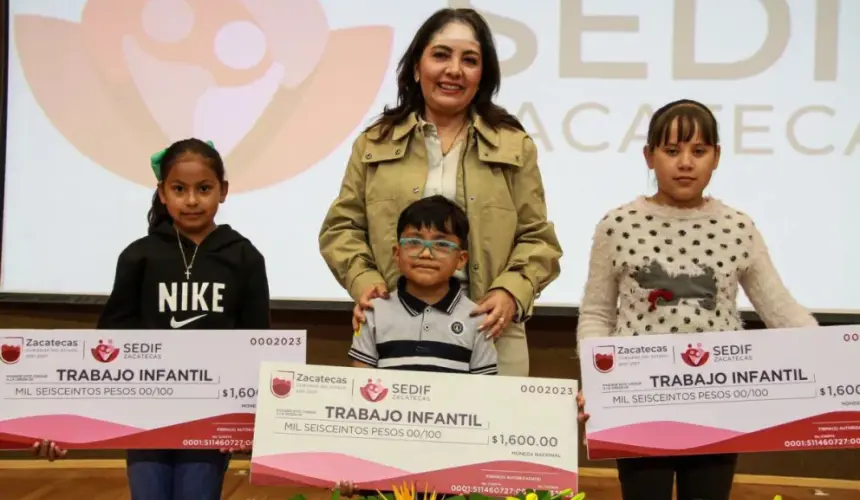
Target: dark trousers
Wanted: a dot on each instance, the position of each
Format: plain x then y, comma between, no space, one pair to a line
700,477
176,474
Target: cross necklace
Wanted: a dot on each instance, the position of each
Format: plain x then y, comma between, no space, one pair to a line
184,261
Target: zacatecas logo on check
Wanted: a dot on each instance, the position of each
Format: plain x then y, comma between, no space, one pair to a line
124,83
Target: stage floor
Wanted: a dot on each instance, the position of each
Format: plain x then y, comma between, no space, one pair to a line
37,480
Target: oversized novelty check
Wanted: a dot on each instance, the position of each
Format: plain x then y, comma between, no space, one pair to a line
747,391
494,435
103,389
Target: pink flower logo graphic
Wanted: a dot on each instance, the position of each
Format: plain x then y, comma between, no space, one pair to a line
695,356
105,352
267,81
373,392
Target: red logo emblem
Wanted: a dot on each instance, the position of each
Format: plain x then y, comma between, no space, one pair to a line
373,391
105,352
281,384
695,356
603,358
11,349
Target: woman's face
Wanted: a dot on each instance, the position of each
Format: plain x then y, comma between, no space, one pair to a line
450,70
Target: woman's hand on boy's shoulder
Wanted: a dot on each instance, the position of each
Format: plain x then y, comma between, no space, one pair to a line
499,306
374,291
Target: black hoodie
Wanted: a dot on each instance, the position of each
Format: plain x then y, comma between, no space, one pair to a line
228,287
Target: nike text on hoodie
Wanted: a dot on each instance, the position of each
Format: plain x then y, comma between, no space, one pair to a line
227,287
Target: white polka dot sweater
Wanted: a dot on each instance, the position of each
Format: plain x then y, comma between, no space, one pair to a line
658,269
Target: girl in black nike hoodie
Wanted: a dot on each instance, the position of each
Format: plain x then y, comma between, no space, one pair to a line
187,272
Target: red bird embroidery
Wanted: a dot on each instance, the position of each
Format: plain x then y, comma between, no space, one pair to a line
656,295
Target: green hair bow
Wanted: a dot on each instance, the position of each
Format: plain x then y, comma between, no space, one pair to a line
155,160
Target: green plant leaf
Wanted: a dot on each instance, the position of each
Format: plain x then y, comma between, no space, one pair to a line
298,497
335,494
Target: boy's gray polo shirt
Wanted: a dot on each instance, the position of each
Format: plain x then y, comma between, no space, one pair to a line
404,333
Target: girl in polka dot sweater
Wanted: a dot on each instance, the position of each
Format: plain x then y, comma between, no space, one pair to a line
672,263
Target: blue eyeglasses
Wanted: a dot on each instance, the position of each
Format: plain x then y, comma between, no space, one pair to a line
414,246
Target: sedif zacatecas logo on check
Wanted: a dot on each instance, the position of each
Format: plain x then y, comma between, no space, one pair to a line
123,82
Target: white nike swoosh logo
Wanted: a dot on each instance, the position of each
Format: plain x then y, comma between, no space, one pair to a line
180,324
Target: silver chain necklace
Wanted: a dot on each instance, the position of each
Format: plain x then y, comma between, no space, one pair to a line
184,261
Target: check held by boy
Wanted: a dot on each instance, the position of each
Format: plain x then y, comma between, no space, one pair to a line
409,410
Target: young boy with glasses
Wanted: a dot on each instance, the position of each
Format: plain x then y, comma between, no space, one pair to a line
426,324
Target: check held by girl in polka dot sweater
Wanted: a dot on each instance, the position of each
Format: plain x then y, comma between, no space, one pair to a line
673,263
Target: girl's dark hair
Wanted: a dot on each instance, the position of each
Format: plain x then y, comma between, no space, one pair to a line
409,96
158,213
692,117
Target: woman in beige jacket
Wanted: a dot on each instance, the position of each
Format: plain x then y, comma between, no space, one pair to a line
446,136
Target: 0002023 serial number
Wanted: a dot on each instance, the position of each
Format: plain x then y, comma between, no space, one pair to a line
275,341
553,390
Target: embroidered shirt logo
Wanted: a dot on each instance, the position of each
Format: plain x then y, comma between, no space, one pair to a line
457,328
